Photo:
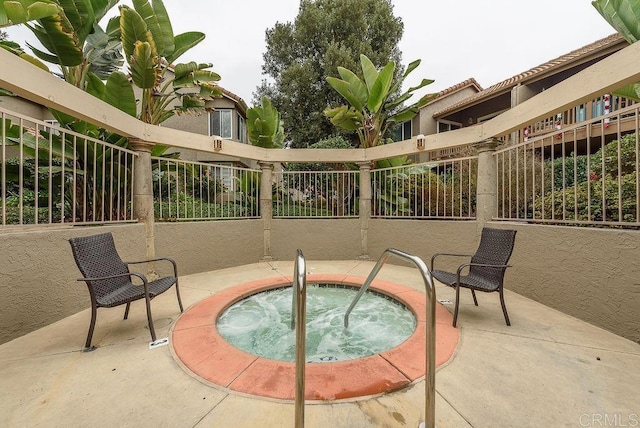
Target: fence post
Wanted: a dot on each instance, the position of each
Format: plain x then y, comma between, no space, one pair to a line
143,192
364,207
266,206
487,187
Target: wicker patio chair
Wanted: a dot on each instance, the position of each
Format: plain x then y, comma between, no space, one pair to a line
486,268
110,281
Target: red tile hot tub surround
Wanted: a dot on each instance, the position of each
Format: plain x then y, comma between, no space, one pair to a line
203,352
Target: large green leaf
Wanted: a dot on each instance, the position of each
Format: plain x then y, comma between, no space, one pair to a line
208,91
9,129
630,91
143,64
157,20
168,39
345,117
356,87
95,86
380,90
58,36
134,29
113,28
81,17
20,12
369,71
102,7
183,42
191,75
344,89
102,53
119,93
264,125
623,15
183,69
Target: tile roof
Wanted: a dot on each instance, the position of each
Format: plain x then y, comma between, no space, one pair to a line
555,65
470,82
234,97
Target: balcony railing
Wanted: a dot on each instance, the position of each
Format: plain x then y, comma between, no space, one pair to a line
585,174
580,113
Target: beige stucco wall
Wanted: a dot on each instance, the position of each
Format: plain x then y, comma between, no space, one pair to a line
210,245
321,239
421,238
38,275
427,124
592,274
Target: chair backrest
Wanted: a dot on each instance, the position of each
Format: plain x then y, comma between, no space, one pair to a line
496,246
96,256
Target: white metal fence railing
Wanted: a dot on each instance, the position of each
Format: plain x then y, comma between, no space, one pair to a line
443,189
52,175
325,194
593,109
585,174
184,190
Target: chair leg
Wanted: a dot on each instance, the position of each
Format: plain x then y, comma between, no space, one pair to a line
178,294
92,324
455,312
126,311
150,319
504,308
475,301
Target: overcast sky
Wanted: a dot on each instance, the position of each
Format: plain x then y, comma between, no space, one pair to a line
489,40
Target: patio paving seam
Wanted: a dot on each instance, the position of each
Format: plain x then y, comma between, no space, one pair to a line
542,339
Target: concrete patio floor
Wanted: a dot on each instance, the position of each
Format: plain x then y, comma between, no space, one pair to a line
546,370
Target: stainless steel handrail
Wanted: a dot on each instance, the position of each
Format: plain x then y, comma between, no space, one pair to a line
430,376
299,313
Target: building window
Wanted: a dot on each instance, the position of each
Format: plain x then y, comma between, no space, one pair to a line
242,128
580,112
52,122
446,125
401,131
220,123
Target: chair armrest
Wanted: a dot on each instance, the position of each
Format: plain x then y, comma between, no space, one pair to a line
175,267
433,258
102,278
466,265
143,278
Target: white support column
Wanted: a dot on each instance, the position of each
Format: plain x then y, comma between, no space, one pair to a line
143,192
486,204
266,207
365,207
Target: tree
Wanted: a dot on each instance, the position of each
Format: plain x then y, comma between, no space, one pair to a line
372,104
324,35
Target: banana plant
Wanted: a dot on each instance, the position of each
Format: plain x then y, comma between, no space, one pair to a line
150,49
373,105
624,17
264,125
73,39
